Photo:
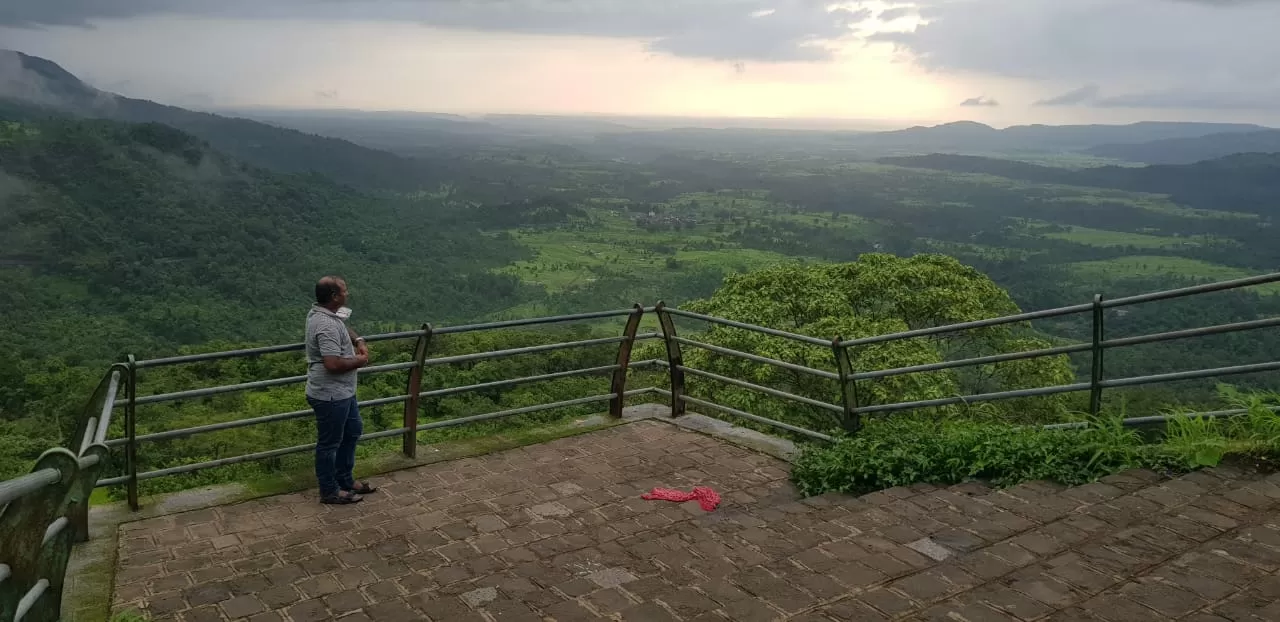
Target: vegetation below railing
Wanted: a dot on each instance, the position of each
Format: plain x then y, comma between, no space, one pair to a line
908,449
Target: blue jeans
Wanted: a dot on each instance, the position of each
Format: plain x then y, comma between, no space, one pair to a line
338,427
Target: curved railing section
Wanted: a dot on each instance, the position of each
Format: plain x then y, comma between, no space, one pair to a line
43,513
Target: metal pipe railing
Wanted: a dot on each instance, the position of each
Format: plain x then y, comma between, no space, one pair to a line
751,327
757,418
762,389
758,359
23,485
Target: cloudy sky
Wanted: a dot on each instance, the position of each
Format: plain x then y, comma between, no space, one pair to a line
997,61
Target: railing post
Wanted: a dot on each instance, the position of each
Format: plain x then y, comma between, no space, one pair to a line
850,420
131,433
415,387
674,359
96,419
1095,375
618,385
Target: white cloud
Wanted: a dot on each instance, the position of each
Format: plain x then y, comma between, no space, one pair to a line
1205,51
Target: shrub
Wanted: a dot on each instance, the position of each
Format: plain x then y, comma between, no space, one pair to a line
905,450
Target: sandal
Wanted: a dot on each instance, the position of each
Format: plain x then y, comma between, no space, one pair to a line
361,488
342,497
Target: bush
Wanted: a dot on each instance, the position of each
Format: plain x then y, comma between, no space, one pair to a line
904,450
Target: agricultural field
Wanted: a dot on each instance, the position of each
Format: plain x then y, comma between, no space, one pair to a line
1164,266
1114,239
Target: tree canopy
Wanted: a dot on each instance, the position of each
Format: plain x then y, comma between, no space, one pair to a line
876,295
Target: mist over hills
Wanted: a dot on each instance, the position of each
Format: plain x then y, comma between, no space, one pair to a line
412,150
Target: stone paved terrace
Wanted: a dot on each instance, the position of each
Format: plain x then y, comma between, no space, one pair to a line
558,531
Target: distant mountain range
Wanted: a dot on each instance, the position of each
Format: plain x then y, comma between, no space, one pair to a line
1192,149
970,136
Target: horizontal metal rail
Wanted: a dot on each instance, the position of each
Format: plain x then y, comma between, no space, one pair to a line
952,328
1068,310
766,390
248,386
297,414
982,397
275,453
514,411
21,486
295,347
758,359
756,418
751,327
1192,332
479,356
240,423
1192,375
1261,279
214,356
515,381
981,360
1136,421
576,317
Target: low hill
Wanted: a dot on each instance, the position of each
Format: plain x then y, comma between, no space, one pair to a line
29,82
1247,182
1191,150
968,136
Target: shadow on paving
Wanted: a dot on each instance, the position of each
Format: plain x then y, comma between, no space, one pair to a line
558,531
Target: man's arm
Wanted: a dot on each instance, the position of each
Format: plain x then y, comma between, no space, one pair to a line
330,351
339,364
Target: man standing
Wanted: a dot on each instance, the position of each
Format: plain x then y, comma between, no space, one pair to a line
332,361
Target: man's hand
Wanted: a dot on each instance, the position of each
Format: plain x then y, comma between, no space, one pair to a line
362,348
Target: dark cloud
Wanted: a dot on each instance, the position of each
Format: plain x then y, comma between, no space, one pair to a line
1214,49
755,30
980,101
1074,97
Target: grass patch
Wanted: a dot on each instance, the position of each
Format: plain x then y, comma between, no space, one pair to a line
1112,239
1155,265
905,450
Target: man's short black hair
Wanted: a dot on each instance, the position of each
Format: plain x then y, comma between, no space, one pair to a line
327,288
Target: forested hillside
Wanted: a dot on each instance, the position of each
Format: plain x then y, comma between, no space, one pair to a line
116,236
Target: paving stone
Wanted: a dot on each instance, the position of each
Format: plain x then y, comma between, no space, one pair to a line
930,548
647,612
242,606
476,598
558,532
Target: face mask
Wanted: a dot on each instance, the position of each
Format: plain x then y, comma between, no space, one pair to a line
343,313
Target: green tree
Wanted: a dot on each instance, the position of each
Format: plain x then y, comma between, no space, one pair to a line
877,295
